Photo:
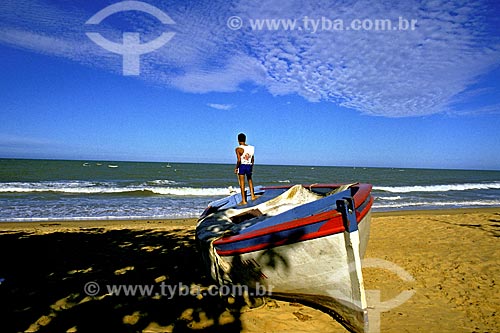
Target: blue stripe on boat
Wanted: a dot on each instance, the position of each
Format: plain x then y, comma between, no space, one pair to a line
311,208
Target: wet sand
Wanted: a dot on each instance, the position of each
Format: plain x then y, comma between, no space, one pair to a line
424,271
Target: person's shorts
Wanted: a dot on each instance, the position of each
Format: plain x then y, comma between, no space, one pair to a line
245,169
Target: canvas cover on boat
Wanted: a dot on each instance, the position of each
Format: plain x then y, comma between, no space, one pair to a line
297,195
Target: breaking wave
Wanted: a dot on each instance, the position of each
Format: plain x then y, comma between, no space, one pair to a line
157,187
438,188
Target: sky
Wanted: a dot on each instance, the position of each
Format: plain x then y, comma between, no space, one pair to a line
339,83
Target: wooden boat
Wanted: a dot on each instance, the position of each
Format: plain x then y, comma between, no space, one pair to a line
301,242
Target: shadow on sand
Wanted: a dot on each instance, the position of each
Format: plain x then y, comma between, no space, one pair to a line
43,279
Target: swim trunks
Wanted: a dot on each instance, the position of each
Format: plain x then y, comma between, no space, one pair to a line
245,169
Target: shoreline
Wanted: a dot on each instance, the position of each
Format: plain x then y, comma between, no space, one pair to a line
191,221
82,225
444,211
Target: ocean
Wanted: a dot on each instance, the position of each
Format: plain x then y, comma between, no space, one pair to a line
46,190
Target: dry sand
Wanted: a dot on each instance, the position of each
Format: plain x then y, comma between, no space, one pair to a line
442,266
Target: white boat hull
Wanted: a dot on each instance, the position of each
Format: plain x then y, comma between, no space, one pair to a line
324,271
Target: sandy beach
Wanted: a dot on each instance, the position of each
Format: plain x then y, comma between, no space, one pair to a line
425,271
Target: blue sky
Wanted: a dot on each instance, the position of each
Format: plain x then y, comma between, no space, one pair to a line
428,97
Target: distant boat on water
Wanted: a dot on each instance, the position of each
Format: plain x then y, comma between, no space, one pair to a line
112,166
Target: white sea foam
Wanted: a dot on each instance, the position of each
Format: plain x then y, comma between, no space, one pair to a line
190,191
162,182
62,186
390,198
438,188
85,187
465,203
170,215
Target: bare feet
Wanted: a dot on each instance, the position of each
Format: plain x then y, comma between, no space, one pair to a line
242,203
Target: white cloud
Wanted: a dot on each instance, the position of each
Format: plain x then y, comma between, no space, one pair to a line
387,73
238,70
221,106
493,109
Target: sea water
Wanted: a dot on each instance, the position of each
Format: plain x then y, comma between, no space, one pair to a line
72,190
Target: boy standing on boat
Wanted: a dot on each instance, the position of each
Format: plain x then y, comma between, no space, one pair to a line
244,166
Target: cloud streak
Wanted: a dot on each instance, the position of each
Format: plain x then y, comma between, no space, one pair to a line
385,73
221,106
